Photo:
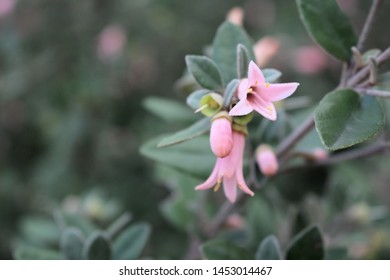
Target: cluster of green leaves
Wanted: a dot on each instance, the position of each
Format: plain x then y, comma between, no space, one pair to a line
75,237
306,245
343,118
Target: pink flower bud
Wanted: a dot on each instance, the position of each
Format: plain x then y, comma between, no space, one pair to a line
111,42
310,60
6,7
320,154
266,160
265,49
236,16
221,139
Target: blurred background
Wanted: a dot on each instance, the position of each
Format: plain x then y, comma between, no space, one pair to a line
73,76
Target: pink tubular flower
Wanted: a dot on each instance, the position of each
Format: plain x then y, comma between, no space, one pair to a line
221,139
228,170
266,160
256,94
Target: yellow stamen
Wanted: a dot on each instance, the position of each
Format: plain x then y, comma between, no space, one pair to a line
250,90
217,186
267,85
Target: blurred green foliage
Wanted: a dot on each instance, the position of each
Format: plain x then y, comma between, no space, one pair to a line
72,121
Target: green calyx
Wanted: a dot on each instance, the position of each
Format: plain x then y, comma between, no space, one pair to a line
240,128
222,114
210,104
243,120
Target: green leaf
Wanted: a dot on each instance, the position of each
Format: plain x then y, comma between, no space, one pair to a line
269,249
242,61
262,219
71,243
195,130
223,250
271,75
328,26
168,110
131,242
383,82
39,230
97,247
193,157
224,50
344,119
205,71
193,100
229,92
31,253
306,245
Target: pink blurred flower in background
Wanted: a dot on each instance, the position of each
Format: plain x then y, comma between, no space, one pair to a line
256,94
265,49
7,7
267,160
236,16
111,42
228,170
320,154
309,60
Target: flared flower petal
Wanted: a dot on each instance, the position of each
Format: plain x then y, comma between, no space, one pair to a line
241,182
243,107
277,92
255,76
263,107
230,188
212,180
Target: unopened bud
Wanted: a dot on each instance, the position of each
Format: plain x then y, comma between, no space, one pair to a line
266,160
236,16
221,137
265,49
320,154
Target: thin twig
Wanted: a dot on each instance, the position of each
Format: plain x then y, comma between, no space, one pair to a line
364,72
368,24
374,92
295,136
341,157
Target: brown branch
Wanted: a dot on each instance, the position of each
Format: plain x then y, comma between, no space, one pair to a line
364,72
294,137
368,24
374,92
363,152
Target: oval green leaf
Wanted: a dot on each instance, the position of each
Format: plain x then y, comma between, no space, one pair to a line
131,242
242,61
271,75
31,253
223,250
205,71
306,245
328,26
168,110
97,247
71,243
193,100
230,91
269,249
195,130
225,49
343,119
192,157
